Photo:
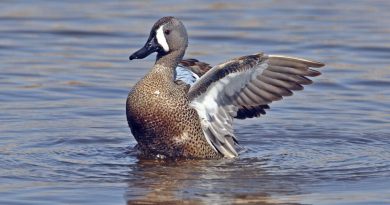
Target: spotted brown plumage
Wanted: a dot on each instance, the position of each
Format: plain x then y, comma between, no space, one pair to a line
171,119
162,122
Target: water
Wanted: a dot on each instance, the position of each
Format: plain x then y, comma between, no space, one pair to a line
65,75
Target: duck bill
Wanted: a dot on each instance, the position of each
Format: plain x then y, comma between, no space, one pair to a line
150,47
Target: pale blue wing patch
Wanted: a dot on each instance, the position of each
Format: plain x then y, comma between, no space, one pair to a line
185,75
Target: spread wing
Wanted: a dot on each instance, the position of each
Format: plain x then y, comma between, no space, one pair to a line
242,88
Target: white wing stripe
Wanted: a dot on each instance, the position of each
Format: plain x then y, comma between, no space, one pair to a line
210,104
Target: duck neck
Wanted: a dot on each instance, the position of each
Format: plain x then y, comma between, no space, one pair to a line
167,63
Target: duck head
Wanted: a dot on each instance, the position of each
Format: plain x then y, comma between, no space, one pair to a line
168,34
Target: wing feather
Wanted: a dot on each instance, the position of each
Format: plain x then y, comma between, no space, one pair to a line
242,88
287,77
280,84
256,90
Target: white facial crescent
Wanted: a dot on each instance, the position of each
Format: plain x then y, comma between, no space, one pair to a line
161,38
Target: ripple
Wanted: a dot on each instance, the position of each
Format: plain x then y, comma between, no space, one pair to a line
245,40
373,83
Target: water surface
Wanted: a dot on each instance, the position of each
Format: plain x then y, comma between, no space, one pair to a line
65,75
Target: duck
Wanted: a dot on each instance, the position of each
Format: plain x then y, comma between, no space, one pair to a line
184,108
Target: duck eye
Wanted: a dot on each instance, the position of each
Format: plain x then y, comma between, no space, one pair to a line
167,32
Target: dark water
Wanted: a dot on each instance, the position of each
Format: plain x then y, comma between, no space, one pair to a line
65,75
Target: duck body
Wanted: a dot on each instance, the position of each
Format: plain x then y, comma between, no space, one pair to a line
185,108
161,120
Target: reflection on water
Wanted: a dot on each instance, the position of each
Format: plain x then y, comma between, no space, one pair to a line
65,75
207,182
